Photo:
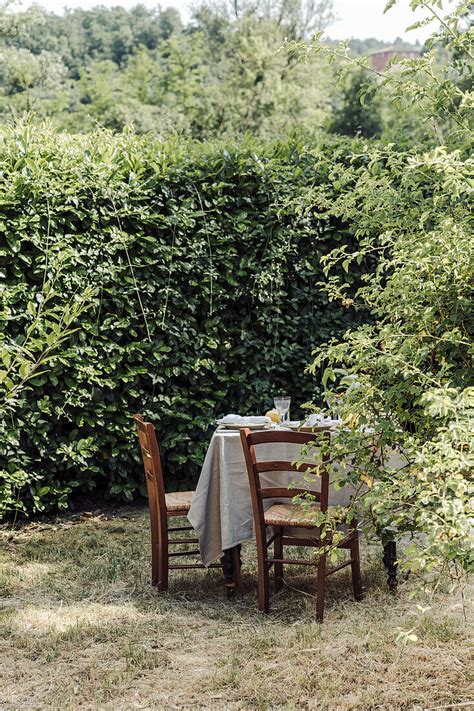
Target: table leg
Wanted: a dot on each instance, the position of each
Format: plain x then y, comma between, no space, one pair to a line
231,566
390,563
227,561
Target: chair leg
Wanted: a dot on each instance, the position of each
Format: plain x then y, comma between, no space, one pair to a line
160,565
278,553
355,569
320,587
163,581
263,588
155,565
263,569
159,570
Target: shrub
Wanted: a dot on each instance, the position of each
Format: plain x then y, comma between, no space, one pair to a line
204,273
404,382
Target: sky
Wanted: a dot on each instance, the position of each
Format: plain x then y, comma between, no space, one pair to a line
357,18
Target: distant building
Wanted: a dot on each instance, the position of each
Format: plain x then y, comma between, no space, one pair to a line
382,57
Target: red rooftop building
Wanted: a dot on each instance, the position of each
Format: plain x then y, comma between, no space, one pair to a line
382,57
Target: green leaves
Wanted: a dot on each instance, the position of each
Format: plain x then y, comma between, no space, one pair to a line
406,394
148,248
389,5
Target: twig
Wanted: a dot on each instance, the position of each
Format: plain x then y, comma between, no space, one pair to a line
211,267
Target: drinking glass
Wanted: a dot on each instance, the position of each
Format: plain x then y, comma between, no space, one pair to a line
282,403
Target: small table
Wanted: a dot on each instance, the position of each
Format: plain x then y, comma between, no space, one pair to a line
221,511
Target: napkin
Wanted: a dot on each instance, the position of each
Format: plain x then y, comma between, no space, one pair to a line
319,419
238,420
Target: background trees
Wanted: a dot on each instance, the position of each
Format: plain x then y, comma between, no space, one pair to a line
358,110
223,74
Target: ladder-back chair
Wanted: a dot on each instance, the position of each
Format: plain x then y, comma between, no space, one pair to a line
163,506
283,515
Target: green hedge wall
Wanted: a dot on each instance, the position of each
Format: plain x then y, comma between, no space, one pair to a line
207,296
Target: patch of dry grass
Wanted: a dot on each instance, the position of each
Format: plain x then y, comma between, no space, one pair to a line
81,627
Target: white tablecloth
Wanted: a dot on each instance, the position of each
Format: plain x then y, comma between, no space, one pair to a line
221,510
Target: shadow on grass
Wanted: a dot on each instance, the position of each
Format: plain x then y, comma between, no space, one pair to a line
80,615
109,562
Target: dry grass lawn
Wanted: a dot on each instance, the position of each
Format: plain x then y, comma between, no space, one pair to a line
81,628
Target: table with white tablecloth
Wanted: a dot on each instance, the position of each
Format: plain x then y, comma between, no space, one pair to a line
221,511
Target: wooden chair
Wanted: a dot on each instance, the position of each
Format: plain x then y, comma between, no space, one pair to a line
162,507
281,515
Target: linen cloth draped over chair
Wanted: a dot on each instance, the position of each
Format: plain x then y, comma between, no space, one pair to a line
163,506
285,517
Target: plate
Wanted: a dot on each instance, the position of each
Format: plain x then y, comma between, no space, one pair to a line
305,428
229,426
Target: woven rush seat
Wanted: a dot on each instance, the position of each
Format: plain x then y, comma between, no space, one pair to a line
179,501
290,515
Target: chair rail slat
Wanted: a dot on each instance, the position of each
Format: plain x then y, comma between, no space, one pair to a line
282,466
180,528
265,437
300,542
340,567
292,561
281,492
178,512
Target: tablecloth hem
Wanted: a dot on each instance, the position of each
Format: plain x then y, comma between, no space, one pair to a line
219,555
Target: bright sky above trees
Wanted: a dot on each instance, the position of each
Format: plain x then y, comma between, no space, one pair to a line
357,18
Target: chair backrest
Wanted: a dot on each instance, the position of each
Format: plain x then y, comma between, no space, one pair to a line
251,440
153,475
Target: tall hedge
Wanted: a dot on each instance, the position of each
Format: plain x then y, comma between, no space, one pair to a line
207,299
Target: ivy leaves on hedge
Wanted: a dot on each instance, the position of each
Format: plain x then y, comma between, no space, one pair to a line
205,274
